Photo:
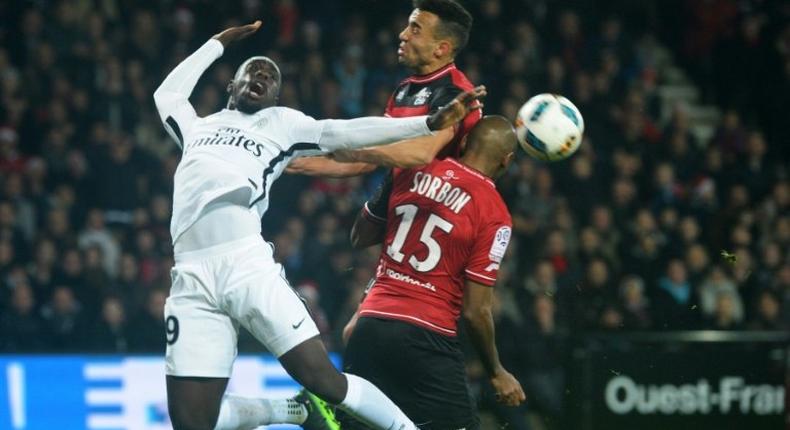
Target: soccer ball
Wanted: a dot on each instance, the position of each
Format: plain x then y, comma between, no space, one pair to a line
549,127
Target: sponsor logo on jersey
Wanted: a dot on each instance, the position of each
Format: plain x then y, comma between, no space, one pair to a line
422,96
443,192
409,280
401,94
228,136
499,247
449,175
491,267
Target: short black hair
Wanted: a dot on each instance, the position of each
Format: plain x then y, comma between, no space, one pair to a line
455,22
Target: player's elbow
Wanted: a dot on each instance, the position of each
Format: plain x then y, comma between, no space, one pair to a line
475,315
159,96
162,96
354,239
472,316
358,241
159,99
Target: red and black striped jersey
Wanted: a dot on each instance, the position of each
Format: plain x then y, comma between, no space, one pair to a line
425,94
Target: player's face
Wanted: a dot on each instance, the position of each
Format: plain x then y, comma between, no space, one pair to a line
417,40
257,88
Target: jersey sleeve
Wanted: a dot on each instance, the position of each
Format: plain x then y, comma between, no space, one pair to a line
172,96
375,209
489,249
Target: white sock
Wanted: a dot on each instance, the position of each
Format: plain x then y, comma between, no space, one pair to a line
368,404
244,413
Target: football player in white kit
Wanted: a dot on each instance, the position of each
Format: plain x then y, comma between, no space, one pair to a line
224,275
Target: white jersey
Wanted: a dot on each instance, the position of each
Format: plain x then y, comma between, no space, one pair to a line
239,154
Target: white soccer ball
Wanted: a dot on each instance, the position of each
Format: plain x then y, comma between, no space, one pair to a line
549,127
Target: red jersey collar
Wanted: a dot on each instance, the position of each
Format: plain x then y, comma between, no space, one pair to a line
471,171
419,79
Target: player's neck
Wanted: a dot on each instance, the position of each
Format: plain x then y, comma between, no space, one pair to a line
480,164
427,69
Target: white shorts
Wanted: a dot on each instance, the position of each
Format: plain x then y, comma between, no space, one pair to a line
216,289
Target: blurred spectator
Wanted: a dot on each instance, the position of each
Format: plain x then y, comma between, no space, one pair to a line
697,262
109,333
542,280
64,321
147,330
21,329
543,356
97,234
636,308
715,285
674,302
593,297
767,315
724,316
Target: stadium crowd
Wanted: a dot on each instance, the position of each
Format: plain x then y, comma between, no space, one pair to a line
646,228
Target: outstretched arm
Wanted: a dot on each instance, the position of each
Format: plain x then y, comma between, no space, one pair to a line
172,96
372,131
327,166
405,154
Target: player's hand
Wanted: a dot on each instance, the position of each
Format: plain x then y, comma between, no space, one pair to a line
508,390
457,109
233,34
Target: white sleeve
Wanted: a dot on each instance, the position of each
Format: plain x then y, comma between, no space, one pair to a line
334,134
172,96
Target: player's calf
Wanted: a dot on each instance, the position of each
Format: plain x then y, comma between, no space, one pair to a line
308,363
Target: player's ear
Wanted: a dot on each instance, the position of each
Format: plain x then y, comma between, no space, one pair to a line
443,49
231,103
508,159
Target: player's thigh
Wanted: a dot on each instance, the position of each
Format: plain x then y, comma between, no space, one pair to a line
375,352
201,338
439,394
258,296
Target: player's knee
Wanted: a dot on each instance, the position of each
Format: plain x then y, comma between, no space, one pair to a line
192,419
